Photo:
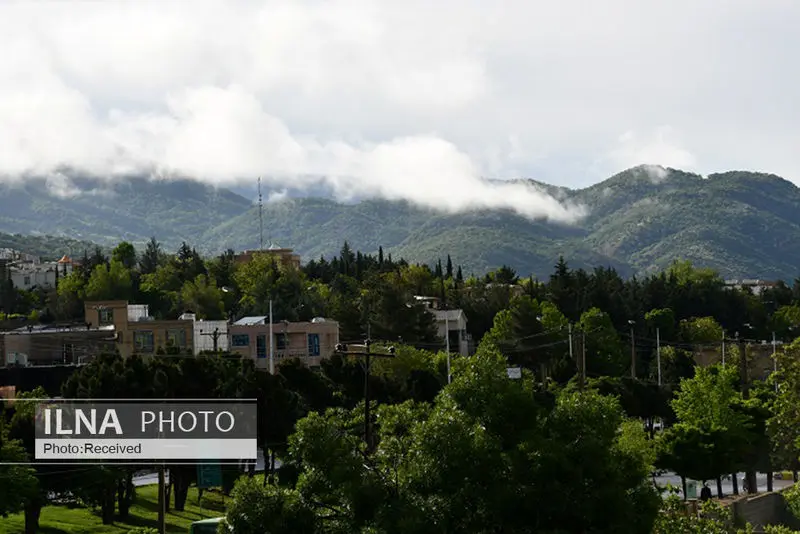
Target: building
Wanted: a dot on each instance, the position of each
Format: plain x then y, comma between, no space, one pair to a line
450,323
311,341
54,344
754,285
204,333
759,357
28,272
285,256
137,331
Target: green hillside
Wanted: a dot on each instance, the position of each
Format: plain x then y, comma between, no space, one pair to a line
741,223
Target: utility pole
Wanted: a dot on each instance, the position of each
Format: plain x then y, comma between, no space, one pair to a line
162,504
750,475
367,354
214,336
583,356
658,353
260,217
571,355
775,358
162,496
633,350
447,341
723,349
271,343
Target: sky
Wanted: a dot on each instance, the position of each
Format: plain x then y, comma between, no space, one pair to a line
401,100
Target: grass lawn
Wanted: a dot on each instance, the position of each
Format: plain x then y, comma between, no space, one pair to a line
143,513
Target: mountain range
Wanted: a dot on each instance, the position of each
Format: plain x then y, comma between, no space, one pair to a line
743,224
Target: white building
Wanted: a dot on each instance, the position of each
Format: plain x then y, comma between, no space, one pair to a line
27,272
206,331
450,323
756,286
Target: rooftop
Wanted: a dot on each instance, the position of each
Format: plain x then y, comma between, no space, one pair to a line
57,329
248,321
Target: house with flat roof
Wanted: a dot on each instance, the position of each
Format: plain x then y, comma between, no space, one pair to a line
56,344
310,341
137,331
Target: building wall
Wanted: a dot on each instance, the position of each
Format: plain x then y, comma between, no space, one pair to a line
204,341
97,313
456,321
286,256
759,358
146,337
29,277
290,340
46,348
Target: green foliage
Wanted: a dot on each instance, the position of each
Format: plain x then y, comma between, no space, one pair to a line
466,463
256,508
674,519
17,482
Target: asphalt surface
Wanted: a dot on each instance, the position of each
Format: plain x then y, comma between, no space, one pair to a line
662,481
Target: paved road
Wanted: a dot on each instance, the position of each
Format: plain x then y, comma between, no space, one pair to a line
145,479
662,481
727,486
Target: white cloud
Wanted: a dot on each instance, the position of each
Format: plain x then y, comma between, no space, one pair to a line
400,100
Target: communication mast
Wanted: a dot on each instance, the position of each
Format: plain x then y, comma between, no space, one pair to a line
260,216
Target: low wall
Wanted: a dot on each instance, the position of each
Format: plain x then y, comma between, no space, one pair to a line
763,509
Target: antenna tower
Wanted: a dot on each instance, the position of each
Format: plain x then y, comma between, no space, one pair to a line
260,216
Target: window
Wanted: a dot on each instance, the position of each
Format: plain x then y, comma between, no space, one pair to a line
26,281
143,341
240,340
176,338
106,316
261,346
313,344
281,341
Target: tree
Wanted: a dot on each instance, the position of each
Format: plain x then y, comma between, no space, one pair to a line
604,350
125,254
256,509
17,482
714,435
152,257
468,463
109,282
701,330
203,297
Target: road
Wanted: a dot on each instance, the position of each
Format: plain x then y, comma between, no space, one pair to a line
727,486
145,479
662,481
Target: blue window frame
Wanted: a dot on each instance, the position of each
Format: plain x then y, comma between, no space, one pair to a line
240,340
313,344
261,346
